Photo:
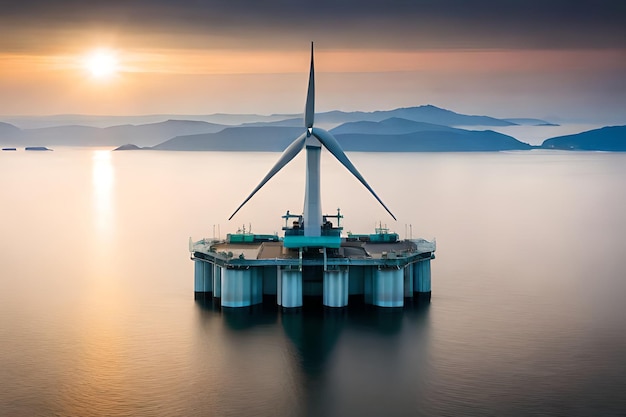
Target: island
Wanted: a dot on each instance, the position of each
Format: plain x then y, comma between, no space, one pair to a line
36,148
609,139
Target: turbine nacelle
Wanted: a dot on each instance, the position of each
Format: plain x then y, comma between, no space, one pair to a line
313,139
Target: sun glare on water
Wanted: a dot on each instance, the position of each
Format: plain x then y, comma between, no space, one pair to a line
101,63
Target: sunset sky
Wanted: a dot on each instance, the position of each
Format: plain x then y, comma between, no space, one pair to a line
552,58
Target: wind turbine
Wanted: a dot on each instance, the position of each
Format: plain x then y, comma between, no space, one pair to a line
312,139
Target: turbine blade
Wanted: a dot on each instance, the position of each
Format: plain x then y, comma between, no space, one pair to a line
309,109
333,147
289,153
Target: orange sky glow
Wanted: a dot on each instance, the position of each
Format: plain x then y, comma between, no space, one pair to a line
192,81
507,60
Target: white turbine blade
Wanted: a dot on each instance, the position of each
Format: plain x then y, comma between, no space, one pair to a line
289,153
309,109
333,147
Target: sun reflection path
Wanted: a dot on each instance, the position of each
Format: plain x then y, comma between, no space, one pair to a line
102,187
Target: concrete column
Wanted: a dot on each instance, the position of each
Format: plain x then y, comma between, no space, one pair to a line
198,277
236,287
417,276
408,281
257,285
208,277
336,288
425,281
388,288
217,281
421,276
289,288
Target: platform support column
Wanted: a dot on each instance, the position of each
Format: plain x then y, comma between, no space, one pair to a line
257,285
237,287
198,278
388,287
289,288
408,281
335,288
208,277
421,278
217,281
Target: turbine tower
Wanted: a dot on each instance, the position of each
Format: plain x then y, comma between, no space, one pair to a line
312,139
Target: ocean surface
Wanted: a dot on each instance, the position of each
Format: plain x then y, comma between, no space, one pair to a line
98,318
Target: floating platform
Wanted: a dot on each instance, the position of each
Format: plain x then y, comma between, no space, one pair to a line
377,269
312,260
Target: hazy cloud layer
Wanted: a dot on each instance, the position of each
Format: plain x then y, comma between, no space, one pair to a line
498,57
348,23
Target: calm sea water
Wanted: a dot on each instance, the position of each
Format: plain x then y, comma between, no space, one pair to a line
97,316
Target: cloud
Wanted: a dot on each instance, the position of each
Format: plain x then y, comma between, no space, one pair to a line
393,24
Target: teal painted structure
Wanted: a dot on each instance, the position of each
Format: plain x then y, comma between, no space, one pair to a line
296,242
383,273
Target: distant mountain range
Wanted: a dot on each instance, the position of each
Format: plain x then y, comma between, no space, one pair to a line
394,135
414,129
391,126
73,135
389,135
427,113
423,114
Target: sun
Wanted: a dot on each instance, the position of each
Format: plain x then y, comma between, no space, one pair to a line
101,63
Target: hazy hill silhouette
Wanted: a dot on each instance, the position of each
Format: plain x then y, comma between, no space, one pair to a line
610,138
246,138
427,114
402,120
391,126
141,135
8,132
458,140
293,122
390,138
421,128
38,122
529,121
